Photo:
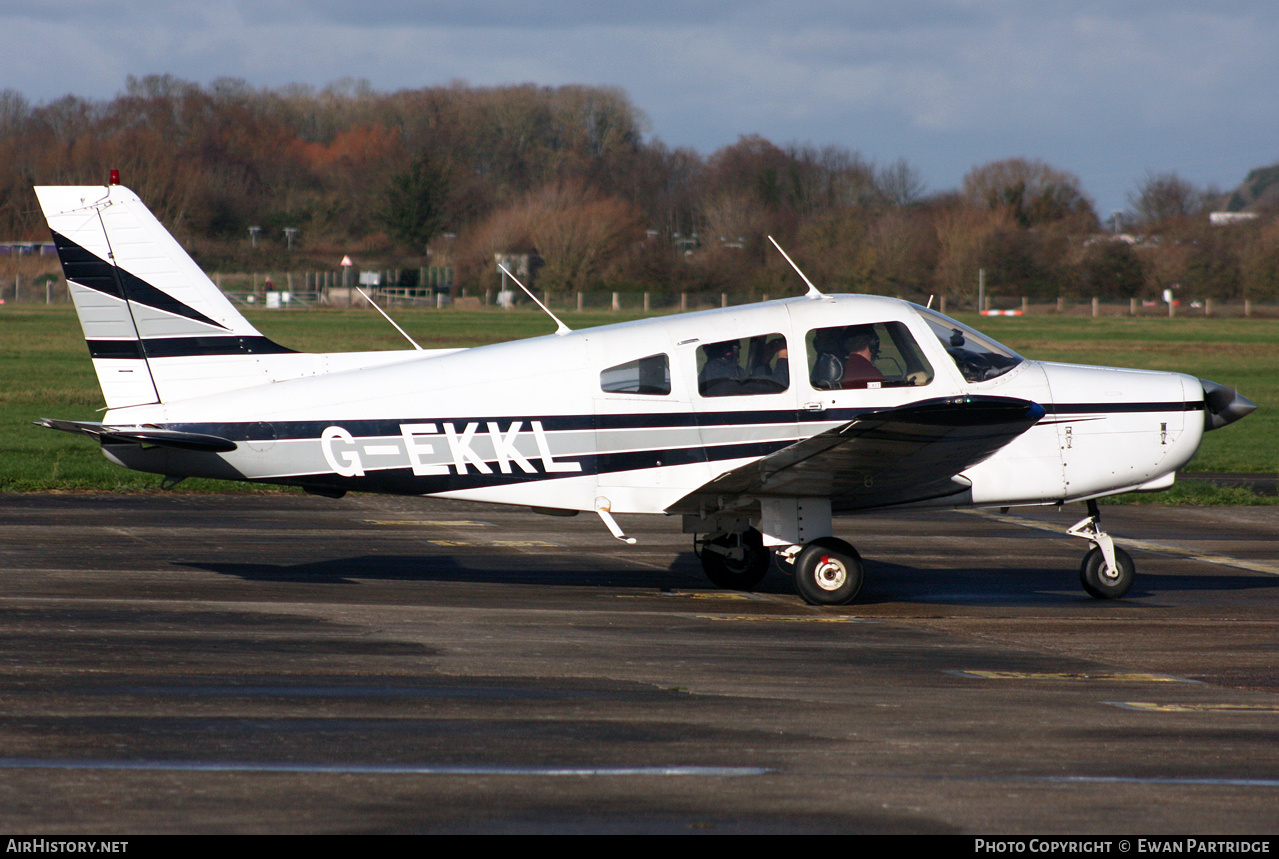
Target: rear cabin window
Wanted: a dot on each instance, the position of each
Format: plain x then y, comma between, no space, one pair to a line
751,365
878,355
651,375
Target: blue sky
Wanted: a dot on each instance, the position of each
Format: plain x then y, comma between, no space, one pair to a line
1110,91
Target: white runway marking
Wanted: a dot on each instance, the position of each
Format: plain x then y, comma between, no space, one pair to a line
376,769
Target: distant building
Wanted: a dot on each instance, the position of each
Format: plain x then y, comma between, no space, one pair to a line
1226,219
41,248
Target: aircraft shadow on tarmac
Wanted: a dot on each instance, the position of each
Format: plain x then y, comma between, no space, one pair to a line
885,582
483,569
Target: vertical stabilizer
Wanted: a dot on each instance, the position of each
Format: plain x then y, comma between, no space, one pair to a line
142,301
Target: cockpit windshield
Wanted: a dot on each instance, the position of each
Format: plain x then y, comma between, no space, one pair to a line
978,357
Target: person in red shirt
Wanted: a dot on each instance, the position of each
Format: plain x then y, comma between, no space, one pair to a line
861,344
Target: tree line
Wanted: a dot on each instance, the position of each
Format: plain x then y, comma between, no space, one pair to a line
454,175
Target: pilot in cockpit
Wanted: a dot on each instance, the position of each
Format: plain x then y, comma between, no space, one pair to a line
845,358
861,345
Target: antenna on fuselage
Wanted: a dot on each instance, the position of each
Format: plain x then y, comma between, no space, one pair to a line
388,319
813,292
562,329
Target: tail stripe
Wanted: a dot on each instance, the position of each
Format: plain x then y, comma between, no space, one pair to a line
187,347
91,271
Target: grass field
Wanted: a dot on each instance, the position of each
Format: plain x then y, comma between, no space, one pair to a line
45,372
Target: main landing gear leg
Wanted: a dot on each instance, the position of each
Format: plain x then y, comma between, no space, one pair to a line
736,561
827,570
735,555
1107,571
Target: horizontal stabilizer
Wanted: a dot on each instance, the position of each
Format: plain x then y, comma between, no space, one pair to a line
148,436
897,456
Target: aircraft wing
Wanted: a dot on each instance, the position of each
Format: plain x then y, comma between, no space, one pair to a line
143,435
896,456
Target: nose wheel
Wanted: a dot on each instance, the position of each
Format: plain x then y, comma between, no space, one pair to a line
1102,582
1107,571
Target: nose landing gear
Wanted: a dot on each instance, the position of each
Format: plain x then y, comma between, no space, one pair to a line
1107,571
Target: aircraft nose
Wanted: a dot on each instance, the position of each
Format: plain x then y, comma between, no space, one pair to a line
1223,405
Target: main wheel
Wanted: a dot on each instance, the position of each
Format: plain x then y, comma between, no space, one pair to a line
828,571
737,573
1103,585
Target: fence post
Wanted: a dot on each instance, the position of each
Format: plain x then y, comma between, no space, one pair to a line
617,304
579,302
723,299
646,302
1094,307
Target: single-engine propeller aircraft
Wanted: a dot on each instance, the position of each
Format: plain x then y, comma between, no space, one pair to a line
753,423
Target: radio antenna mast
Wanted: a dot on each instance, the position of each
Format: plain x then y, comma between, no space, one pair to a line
389,319
562,328
813,292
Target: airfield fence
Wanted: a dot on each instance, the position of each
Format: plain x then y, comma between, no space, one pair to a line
326,289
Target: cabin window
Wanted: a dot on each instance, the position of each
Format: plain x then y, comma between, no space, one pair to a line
651,375
751,365
878,355
978,357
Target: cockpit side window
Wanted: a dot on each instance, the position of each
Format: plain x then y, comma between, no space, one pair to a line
978,358
651,375
874,355
751,365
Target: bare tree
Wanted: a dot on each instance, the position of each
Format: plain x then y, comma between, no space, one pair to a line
1030,191
1162,198
900,183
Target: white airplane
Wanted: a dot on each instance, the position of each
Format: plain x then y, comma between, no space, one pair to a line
754,423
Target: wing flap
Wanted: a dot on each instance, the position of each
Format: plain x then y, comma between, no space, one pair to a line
897,456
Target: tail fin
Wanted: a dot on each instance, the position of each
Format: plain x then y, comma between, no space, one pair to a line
157,328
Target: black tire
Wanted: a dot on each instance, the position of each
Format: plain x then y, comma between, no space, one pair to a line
1092,574
737,575
828,571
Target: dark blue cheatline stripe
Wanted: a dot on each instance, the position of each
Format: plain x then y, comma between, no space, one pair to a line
761,417
282,430
363,429
246,431
1122,408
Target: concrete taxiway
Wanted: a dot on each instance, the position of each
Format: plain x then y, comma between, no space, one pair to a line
185,663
